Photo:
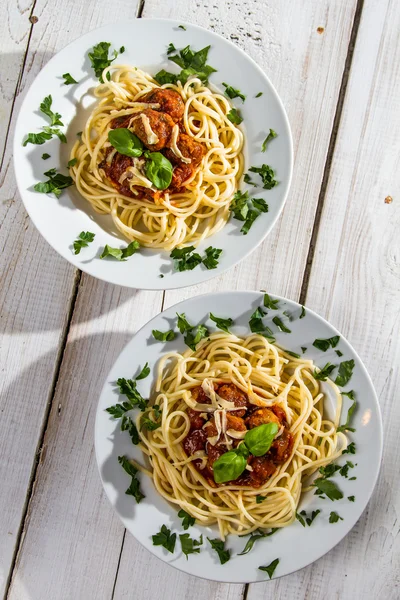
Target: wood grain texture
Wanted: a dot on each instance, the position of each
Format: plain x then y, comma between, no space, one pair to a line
14,34
306,68
355,284
36,284
69,518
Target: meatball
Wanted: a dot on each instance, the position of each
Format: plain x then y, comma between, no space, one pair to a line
115,169
282,446
279,412
180,175
263,467
194,441
231,393
199,395
196,421
170,102
160,123
189,147
261,416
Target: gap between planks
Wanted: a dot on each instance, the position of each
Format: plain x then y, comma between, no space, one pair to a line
78,273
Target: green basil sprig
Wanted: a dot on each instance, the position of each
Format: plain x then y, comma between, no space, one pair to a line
158,170
257,441
126,142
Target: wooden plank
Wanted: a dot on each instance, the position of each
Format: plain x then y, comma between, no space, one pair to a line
15,27
307,73
306,68
37,285
69,517
355,283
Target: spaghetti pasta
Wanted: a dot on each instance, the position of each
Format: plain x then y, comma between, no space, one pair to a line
188,215
269,377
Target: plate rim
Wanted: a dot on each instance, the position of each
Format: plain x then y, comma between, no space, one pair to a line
211,274
363,503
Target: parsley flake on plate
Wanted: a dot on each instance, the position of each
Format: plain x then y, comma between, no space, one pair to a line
346,425
303,313
278,322
127,387
334,517
83,240
194,334
267,176
234,116
193,64
165,538
187,520
68,79
254,537
328,488
247,209
272,134
72,162
219,547
164,336
134,487
190,545
45,156
270,569
120,254
325,344
128,425
221,323
303,518
182,27
100,60
232,92
260,499
258,95
171,48
345,372
351,449
56,183
257,326
324,373
271,303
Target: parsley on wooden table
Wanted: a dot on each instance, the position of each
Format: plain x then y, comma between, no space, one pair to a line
165,538
219,547
270,569
83,240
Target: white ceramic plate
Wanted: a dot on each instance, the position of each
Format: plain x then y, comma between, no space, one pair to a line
145,519
61,221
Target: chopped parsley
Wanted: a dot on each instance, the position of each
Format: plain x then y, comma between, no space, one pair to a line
247,179
334,517
100,60
303,313
193,333
258,95
267,176
127,387
234,116
182,27
270,302
232,92
83,240
272,134
327,343
303,349
327,487
344,470
352,478
260,499
211,259
303,518
346,425
120,254
56,183
254,537
48,132
37,138
221,323
45,108
68,79
187,520
219,547
72,162
247,209
329,470
45,156
190,545
193,64
345,372
134,488
294,354
128,425
270,569
186,259
149,424
257,326
171,48
164,336
351,449
324,373
339,353
282,327
351,498
165,538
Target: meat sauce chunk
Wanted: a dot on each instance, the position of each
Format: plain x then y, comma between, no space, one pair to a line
231,393
170,102
196,440
115,169
189,148
282,446
260,417
160,123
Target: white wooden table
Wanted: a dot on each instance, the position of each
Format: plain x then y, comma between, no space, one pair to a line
336,248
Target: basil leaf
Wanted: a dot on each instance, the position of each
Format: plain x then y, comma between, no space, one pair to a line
164,336
219,547
259,439
128,425
187,520
229,466
120,254
125,142
278,322
83,240
165,538
158,170
234,116
323,345
188,544
267,176
270,302
334,517
221,323
345,372
270,569
272,134
232,92
45,108
68,79
323,374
